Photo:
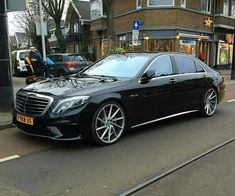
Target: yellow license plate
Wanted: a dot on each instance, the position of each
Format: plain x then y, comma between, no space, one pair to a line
24,119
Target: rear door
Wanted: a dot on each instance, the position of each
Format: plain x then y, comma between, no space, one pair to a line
192,82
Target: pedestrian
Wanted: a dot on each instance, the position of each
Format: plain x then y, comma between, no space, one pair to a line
201,56
36,61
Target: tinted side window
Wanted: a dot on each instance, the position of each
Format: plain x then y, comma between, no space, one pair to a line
56,58
52,58
162,65
199,67
185,65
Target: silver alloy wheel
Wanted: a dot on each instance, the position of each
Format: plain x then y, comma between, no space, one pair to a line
210,102
109,123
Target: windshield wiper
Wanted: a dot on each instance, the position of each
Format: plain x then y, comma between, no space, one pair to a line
104,77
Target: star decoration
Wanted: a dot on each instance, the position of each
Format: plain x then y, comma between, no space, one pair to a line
208,22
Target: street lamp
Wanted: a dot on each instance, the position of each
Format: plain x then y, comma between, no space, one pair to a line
6,89
42,30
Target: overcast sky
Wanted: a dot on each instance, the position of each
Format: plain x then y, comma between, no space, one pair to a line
12,15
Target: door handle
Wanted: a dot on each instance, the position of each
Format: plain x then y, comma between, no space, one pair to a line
172,81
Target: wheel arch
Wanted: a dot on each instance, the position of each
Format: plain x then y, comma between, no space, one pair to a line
113,97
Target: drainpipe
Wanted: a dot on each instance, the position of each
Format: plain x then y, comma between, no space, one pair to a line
213,36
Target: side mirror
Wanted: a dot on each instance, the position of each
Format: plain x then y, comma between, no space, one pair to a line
148,75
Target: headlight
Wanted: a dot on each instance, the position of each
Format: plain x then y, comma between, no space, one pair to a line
68,103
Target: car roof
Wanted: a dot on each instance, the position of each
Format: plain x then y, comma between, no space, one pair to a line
25,50
63,54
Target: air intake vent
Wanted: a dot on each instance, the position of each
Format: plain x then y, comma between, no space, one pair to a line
32,104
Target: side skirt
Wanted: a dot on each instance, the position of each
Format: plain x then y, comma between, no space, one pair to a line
163,118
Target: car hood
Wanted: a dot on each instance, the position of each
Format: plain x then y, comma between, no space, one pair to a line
69,86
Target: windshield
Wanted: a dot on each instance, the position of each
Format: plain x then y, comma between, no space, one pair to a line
121,65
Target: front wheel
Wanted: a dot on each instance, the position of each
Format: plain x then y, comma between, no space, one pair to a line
108,123
209,103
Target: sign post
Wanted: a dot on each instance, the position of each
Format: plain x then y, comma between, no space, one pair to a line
135,32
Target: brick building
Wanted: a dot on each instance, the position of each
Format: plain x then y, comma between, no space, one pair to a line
169,25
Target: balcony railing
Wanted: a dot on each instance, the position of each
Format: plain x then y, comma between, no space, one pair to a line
75,37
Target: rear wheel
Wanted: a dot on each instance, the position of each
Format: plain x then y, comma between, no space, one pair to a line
209,103
108,123
61,72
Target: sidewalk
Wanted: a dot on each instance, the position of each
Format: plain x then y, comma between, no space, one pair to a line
5,118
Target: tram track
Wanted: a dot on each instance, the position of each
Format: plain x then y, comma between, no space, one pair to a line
160,175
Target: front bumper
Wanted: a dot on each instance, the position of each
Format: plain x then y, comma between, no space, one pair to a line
60,128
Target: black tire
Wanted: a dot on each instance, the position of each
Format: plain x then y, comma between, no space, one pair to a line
16,72
61,72
108,130
209,103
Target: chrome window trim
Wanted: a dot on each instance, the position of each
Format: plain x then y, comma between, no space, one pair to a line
51,99
151,64
177,74
163,118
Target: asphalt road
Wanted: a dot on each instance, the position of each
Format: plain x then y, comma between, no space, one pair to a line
46,167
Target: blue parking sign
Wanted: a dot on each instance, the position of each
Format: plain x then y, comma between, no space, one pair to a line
136,25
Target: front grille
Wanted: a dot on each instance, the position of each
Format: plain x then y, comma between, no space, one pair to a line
32,104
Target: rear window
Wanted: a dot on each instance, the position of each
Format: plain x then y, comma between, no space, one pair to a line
56,58
76,58
22,55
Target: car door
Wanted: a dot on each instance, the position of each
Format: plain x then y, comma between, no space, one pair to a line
192,81
154,98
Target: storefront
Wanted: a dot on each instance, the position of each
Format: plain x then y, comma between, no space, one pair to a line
225,51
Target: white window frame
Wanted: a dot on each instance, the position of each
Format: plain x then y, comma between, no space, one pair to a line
76,28
226,14
173,4
207,6
137,4
183,3
233,9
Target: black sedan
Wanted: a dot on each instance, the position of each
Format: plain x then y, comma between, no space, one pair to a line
118,92
66,63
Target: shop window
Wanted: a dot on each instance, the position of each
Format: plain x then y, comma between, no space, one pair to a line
154,3
138,4
162,65
206,5
182,3
185,65
122,42
160,45
188,47
223,54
